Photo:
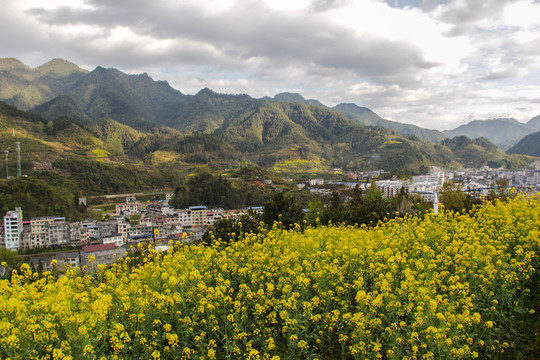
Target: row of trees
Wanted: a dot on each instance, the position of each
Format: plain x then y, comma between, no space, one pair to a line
102,178
39,197
349,207
282,209
215,191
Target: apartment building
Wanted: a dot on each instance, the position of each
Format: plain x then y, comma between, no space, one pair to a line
390,188
13,228
57,233
37,230
26,239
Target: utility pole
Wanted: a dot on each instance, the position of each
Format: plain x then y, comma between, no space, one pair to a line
18,159
7,156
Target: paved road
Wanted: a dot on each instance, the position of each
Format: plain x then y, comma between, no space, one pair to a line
129,194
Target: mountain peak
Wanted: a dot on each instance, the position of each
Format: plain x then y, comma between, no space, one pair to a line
534,122
504,132
206,92
7,64
289,97
59,67
295,98
355,109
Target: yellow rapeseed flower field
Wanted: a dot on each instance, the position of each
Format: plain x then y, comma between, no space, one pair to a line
434,287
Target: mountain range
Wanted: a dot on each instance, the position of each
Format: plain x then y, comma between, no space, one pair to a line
503,132
136,118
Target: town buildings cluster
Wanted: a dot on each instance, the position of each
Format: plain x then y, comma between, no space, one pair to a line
105,241
109,239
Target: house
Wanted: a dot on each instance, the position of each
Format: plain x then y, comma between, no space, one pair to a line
41,262
69,259
113,238
131,207
106,254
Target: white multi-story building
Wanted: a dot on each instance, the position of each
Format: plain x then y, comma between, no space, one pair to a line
434,177
159,208
114,238
315,182
13,229
390,188
184,217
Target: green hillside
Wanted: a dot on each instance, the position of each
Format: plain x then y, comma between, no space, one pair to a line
480,152
116,137
87,161
529,145
207,111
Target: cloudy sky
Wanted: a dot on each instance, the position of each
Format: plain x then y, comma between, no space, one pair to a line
433,63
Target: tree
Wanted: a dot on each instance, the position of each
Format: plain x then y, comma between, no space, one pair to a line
402,201
454,198
335,212
231,230
283,209
500,192
376,207
9,257
315,210
423,169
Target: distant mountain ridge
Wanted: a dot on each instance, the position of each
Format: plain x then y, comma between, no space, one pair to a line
502,132
137,100
365,116
59,88
529,145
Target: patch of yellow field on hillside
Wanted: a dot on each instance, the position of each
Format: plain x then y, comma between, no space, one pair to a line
162,157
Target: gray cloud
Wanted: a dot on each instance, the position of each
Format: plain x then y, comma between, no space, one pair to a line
256,50
250,32
464,15
325,5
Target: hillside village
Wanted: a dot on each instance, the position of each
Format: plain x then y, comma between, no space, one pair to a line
160,223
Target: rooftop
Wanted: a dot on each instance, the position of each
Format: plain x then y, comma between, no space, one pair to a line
100,247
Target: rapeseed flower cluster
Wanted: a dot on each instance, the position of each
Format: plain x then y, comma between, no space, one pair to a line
436,287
